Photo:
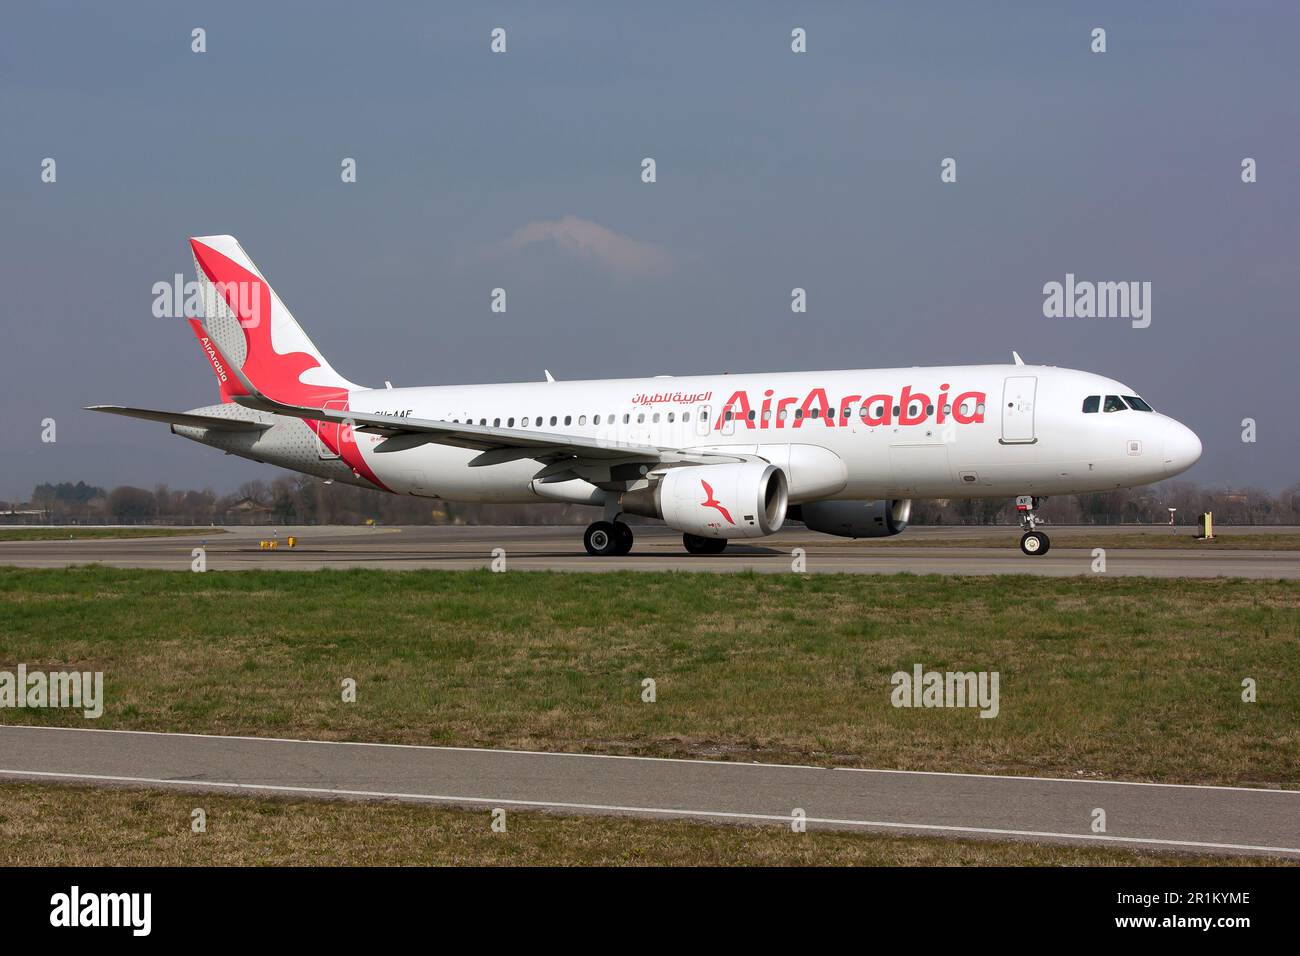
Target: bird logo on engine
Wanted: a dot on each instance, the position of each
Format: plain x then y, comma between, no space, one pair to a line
712,502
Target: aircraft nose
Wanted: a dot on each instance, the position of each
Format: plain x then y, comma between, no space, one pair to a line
1182,448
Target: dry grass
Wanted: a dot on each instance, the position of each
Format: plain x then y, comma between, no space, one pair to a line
43,825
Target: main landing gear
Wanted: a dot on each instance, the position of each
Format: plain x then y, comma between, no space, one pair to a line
695,544
1033,542
608,538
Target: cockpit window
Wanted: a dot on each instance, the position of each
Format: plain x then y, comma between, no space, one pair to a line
1137,404
1091,404
1114,404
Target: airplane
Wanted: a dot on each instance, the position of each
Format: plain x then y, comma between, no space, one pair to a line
715,457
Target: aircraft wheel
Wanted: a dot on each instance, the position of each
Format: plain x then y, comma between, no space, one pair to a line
601,539
695,544
1035,543
622,538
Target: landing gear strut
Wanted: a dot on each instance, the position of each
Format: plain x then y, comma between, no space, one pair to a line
695,544
608,538
1032,542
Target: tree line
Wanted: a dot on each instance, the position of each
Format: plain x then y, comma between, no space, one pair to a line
298,499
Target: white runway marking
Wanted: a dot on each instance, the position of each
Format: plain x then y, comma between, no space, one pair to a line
1183,816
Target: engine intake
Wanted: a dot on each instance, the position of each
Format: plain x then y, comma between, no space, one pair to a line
742,500
855,519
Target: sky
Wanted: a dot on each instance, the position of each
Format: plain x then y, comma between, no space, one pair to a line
523,170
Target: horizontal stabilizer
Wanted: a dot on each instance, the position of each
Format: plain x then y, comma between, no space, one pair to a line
213,422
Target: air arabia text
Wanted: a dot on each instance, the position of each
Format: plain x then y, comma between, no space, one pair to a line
911,407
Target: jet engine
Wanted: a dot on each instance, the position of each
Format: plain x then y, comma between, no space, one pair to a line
740,500
855,519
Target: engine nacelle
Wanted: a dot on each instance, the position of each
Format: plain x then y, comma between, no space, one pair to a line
742,500
855,519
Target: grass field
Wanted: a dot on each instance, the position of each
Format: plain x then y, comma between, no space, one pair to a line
86,534
1119,678
68,826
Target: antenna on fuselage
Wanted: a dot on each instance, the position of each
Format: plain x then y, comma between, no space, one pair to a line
549,376
1016,356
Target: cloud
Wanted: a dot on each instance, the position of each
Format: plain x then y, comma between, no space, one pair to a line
592,242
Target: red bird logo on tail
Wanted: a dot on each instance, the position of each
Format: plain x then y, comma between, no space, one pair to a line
712,502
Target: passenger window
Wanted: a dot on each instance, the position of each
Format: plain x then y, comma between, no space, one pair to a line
798,413
656,418
1114,404
582,419
496,423
568,419
1091,404
640,419
670,418
1137,404
626,419
595,419
510,423
686,416
552,419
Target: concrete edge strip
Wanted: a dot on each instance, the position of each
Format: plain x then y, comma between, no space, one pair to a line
615,808
685,760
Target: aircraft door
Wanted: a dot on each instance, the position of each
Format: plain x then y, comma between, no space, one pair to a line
1018,410
703,421
328,434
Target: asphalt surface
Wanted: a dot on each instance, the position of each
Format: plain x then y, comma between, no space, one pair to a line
1202,819
657,549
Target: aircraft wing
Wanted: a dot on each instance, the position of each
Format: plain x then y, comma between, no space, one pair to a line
213,422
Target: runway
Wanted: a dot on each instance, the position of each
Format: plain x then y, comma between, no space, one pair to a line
1202,819
657,549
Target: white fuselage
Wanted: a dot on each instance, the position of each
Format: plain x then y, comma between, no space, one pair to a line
961,431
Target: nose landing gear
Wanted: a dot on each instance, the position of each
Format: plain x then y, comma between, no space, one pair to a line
1032,542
